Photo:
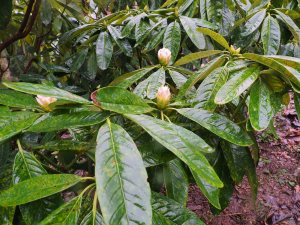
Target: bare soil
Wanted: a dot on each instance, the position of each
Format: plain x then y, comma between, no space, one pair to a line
278,200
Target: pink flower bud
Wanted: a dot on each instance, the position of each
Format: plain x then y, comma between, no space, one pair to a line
44,101
164,56
163,97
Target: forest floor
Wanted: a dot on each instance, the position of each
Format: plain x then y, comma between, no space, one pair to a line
278,200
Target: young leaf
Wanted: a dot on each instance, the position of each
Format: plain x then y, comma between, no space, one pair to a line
45,90
260,107
54,122
176,181
183,143
68,213
210,192
218,125
104,50
195,56
122,187
254,22
37,188
172,39
121,101
190,26
238,83
215,36
270,35
173,211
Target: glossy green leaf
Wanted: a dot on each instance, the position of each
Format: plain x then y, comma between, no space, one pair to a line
155,40
293,27
122,187
190,26
37,188
104,50
270,35
174,211
172,39
68,213
121,101
78,59
123,44
126,80
254,22
210,192
286,60
297,104
195,56
149,87
5,13
287,72
176,181
215,36
260,106
16,99
183,143
200,75
26,166
45,90
218,125
237,84
52,121
207,90
15,123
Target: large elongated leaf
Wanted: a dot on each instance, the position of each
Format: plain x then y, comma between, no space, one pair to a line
235,86
287,72
173,211
126,80
53,122
287,60
26,166
121,101
270,35
183,143
45,90
290,24
176,181
190,26
172,39
16,99
207,90
68,213
149,87
196,55
260,106
210,192
15,123
218,125
200,75
104,50
36,188
254,22
215,36
122,187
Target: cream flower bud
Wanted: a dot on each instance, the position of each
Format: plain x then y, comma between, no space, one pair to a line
164,56
44,101
163,97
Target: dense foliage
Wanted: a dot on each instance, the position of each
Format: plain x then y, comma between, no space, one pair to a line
89,108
